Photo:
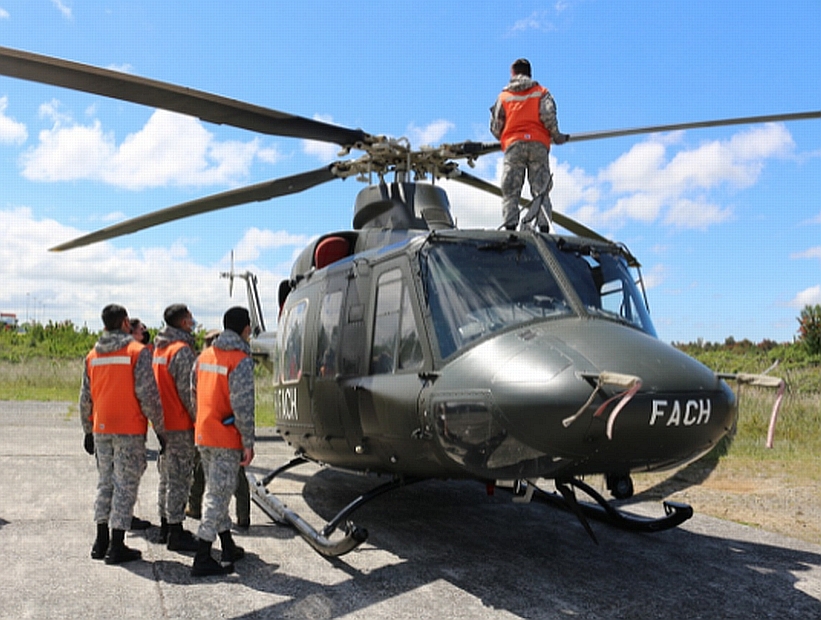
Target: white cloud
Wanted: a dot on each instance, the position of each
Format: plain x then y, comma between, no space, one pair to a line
171,149
75,285
807,297
257,240
4,14
114,216
696,214
323,151
11,132
124,68
649,184
64,9
539,21
655,276
811,253
429,135
658,180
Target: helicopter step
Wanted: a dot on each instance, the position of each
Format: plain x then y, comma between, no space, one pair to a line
319,539
675,513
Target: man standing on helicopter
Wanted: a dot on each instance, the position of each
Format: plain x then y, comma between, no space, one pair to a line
524,120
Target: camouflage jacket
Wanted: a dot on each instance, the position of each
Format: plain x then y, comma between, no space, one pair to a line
145,386
547,108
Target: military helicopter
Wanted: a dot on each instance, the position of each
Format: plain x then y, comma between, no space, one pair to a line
411,349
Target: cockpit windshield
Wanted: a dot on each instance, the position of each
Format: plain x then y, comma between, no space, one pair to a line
475,287
604,284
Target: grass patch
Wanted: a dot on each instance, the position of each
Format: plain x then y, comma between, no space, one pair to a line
48,379
41,379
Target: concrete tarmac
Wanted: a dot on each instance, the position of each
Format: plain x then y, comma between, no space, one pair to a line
436,550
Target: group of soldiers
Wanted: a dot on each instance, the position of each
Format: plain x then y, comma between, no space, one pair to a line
199,406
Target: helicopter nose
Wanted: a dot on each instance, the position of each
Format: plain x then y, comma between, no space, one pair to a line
552,390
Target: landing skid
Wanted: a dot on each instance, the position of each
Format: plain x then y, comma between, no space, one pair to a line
353,535
524,491
675,513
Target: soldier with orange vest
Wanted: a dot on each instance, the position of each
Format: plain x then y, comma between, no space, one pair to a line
174,358
523,119
222,382
118,398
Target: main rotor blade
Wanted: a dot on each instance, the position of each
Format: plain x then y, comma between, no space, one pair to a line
231,198
744,120
564,221
205,106
483,148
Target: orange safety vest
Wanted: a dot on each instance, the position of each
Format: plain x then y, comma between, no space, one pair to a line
214,399
522,121
176,414
115,408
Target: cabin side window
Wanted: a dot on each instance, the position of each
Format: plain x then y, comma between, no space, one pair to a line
328,341
396,343
291,339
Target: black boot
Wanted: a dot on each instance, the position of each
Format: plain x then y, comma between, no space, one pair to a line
100,546
180,539
139,524
205,565
231,552
163,530
117,551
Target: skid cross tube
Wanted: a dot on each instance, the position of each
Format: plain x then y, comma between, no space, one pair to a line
318,539
675,513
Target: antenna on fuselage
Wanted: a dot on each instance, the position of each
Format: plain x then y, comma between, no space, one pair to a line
254,303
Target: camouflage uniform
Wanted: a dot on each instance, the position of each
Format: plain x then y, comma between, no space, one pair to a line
176,464
221,465
121,458
530,156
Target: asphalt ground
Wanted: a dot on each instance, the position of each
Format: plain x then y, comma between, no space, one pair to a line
436,550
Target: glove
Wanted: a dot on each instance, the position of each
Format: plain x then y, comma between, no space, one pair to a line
161,439
561,138
88,443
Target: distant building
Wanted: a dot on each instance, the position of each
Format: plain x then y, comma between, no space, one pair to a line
8,320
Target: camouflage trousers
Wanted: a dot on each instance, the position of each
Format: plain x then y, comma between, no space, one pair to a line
120,465
176,468
220,466
242,496
532,158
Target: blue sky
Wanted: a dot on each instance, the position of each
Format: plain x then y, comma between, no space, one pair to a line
726,221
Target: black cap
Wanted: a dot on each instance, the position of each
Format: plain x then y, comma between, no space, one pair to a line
236,319
521,66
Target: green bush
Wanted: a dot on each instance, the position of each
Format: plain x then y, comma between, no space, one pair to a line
809,329
53,340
